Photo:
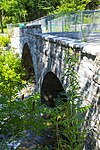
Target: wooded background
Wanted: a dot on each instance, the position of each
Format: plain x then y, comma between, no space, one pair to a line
15,11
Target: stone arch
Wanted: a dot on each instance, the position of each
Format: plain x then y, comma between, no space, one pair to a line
27,62
51,89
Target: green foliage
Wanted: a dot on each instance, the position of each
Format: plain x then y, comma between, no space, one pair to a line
14,11
18,116
11,71
4,41
68,128
92,5
71,5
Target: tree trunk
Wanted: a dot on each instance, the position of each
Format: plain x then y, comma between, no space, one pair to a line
1,24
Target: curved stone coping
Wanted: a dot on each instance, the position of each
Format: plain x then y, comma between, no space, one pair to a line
33,26
85,47
65,41
73,35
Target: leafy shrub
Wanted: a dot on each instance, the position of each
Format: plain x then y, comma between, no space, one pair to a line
11,73
4,41
87,20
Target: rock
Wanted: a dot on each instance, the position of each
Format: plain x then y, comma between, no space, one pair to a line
33,141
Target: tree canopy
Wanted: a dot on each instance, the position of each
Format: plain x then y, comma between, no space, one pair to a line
72,5
14,11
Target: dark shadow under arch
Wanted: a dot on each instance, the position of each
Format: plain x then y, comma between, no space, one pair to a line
27,62
51,89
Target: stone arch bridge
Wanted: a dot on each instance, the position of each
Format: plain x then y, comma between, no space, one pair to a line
43,56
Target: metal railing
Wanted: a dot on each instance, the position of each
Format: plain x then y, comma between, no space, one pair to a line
85,22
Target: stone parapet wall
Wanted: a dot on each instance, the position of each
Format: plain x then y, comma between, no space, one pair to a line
15,40
89,80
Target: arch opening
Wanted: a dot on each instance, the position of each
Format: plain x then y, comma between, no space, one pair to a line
51,89
27,63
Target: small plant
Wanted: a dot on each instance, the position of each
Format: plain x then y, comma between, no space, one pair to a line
84,39
4,41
